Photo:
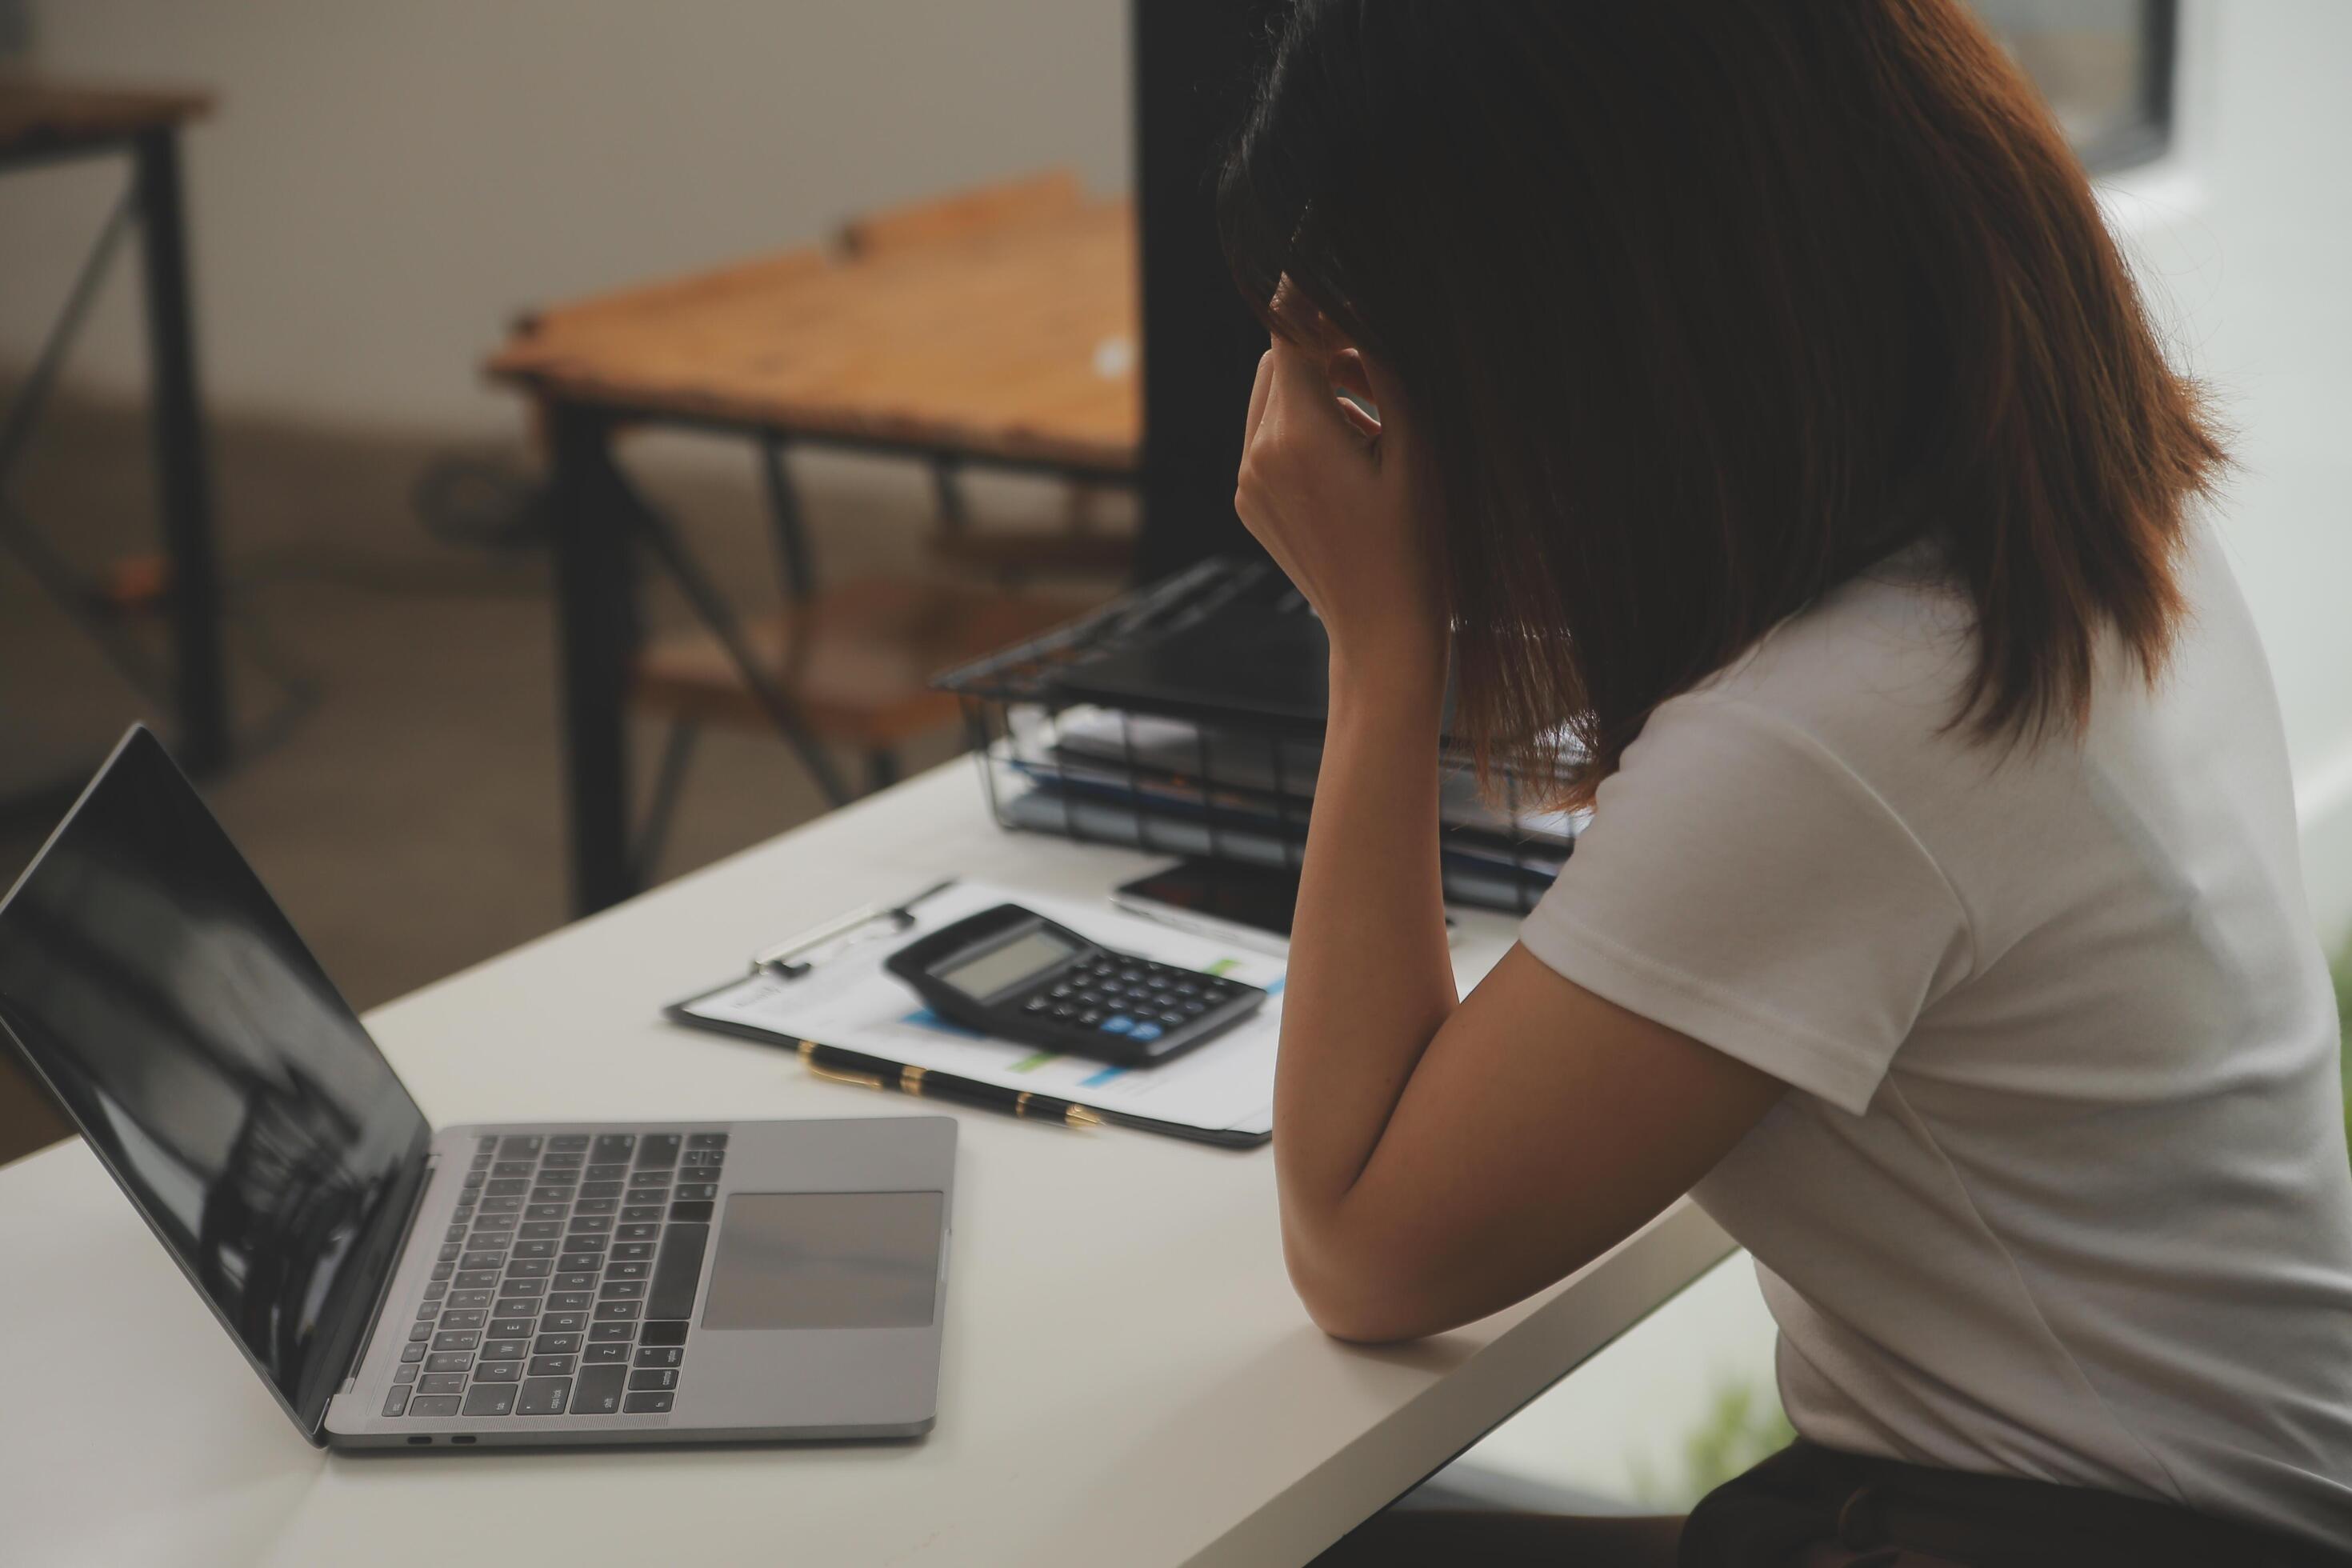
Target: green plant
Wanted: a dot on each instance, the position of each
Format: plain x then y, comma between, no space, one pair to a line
1744,1424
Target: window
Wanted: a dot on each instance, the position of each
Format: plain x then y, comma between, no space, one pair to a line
2105,66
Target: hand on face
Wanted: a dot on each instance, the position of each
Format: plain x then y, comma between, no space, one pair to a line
1335,495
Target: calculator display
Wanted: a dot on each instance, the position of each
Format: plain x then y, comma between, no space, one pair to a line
1016,961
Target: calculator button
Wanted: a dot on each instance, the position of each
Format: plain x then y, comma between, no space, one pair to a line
1117,1024
1171,1019
1090,1017
1037,1003
1144,1032
1065,1011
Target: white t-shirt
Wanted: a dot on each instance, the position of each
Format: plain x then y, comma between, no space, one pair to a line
2061,1190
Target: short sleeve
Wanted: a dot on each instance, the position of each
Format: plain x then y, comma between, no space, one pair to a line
1741,884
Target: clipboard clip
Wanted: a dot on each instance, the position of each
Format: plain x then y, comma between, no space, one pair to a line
796,956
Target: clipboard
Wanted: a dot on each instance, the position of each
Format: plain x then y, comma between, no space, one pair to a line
826,986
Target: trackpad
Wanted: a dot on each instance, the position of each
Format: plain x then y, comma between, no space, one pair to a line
826,1260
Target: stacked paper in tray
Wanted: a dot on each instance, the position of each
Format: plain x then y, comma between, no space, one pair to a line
1168,784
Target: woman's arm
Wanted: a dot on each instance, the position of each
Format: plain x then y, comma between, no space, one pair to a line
1436,1162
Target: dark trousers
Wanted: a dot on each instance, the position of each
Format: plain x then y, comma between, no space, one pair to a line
1810,1506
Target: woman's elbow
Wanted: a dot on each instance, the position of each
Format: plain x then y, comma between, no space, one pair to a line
1360,1302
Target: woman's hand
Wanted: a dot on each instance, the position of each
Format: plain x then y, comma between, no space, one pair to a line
1336,498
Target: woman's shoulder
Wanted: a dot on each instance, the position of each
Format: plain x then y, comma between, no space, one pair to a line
1877,668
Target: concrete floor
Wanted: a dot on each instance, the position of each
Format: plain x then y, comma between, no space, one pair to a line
408,816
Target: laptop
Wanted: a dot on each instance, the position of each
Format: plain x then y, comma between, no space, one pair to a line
402,1285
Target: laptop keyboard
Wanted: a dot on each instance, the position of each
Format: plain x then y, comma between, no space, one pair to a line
566,1278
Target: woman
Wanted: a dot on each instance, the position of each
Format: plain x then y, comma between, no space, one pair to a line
1744,398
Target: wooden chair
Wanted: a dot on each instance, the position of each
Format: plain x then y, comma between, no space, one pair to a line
1081,546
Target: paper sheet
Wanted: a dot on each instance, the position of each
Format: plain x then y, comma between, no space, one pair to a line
852,1002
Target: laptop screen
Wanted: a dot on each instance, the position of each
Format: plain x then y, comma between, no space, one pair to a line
161,993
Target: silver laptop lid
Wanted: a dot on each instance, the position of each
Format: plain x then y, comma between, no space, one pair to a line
159,990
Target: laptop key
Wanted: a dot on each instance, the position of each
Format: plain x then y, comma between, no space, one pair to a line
462,1300
697,1211
578,1279
616,1311
443,1270
603,1354
437,1289
595,1205
546,1211
636,1232
463,1339
628,1270
564,1322
510,1327
655,1150
421,1330
465,1317
478,1279
538,1268
490,1399
499,1372
654,1377
597,1390
648,1178
508,1169
505,1350
556,1344
522,1287
546,1195
567,1142
651,1356
607,1333
607,1172
601,1189
647,1404
669,1333
548,1366
541,1230
442,1383
433,1406
621,1289
448,1361
632,1251
678,1271
507,1187
610,1147
405,1372
637,1214
570,1302
412,1352
578,1262
455,1233
694,1189
706,1141
520,1145
544,1396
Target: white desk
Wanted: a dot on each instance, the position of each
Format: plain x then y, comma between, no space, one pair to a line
1129,1379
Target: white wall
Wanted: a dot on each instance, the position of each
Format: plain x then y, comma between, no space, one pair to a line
2244,240
384,184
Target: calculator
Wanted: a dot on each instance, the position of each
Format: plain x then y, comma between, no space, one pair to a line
1011,973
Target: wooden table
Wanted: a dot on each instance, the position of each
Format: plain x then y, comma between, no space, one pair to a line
43,121
1128,1379
1014,349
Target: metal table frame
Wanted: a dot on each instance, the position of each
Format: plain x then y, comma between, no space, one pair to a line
196,683
601,526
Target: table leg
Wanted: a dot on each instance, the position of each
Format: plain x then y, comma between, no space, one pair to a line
597,632
182,482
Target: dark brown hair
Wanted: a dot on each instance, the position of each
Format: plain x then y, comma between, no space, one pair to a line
1701,306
